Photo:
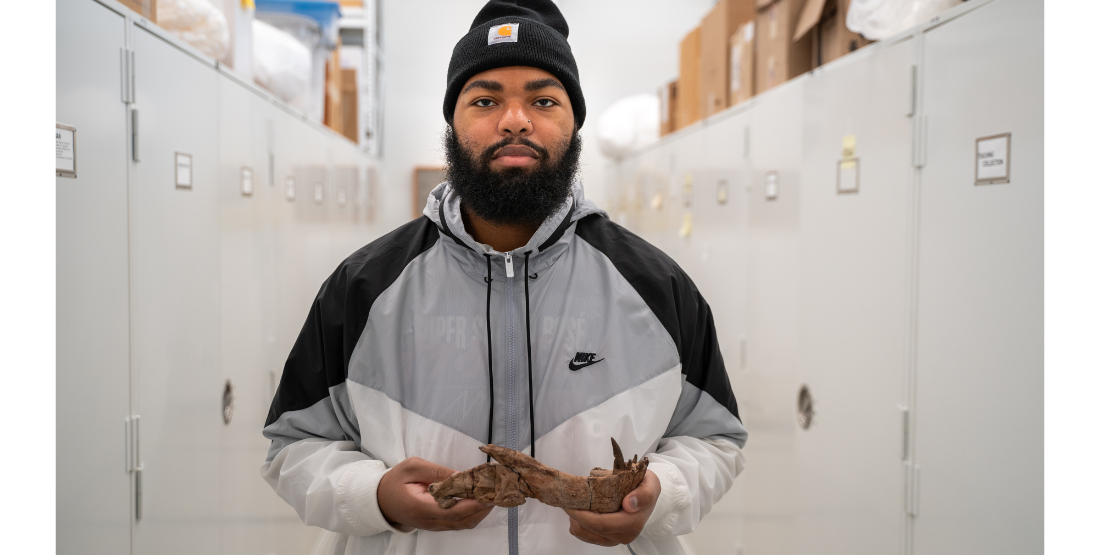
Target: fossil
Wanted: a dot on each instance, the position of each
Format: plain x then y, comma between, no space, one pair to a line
515,476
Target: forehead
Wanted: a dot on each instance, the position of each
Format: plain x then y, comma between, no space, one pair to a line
512,77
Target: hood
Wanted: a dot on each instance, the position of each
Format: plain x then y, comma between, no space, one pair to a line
442,208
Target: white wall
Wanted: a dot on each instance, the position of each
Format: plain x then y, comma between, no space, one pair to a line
622,48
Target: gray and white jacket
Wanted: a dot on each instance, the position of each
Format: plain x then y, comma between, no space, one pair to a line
427,343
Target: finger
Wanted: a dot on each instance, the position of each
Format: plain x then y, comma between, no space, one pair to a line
467,523
588,536
473,520
645,495
603,524
427,507
427,472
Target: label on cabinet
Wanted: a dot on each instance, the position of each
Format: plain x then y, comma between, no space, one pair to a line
246,181
847,176
771,185
66,150
991,164
183,171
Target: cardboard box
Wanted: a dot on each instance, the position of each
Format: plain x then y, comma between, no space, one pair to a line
334,112
349,104
742,84
667,95
714,60
147,8
687,97
826,23
779,57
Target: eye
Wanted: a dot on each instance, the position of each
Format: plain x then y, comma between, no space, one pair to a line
483,103
545,102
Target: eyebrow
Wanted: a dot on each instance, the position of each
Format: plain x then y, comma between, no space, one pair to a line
485,84
542,84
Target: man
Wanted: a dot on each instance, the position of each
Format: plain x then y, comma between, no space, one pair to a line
512,311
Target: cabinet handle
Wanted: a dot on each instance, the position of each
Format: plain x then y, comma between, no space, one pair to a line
805,408
227,402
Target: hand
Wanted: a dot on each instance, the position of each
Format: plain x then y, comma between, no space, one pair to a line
405,502
611,529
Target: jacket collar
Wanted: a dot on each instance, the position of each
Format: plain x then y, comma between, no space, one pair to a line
443,209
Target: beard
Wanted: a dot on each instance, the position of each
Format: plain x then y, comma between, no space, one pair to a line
512,195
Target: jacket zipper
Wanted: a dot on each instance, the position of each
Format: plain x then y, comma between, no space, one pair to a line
513,512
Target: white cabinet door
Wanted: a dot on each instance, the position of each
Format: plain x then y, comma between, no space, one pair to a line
853,300
714,255
248,198
93,345
175,298
767,404
979,378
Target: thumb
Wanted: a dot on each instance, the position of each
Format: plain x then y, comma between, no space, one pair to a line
430,473
643,497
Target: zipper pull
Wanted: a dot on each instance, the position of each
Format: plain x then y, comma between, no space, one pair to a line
508,264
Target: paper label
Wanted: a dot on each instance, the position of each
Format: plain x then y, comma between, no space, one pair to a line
658,201
771,185
508,32
848,147
685,228
183,170
246,181
847,176
66,150
992,159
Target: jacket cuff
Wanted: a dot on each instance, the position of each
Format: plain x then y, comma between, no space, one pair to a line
357,499
673,498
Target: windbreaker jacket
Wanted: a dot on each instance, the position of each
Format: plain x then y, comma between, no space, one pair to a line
425,342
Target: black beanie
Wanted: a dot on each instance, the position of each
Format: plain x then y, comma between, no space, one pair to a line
533,34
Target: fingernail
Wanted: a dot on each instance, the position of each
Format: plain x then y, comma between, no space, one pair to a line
634,503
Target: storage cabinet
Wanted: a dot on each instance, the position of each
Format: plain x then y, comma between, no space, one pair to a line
183,268
93,354
858,258
979,381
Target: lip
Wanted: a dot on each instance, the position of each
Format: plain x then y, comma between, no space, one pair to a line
515,151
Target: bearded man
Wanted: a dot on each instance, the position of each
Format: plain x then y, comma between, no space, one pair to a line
513,312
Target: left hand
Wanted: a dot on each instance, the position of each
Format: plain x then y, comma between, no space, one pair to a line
612,529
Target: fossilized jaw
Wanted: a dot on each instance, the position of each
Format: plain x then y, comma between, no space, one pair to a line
519,476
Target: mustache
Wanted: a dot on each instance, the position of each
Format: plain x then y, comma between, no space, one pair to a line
486,155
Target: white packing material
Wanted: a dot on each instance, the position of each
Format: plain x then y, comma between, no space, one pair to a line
280,64
629,124
880,19
199,23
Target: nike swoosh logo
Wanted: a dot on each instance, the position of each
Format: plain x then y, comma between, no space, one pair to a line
574,366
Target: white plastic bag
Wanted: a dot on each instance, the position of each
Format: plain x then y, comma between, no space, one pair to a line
629,124
880,19
198,23
280,64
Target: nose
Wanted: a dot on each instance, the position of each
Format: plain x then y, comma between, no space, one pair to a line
515,122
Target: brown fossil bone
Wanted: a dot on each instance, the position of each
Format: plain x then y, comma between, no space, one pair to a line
519,476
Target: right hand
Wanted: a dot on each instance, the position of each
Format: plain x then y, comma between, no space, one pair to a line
405,502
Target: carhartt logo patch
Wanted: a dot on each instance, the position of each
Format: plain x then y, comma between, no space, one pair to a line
508,32
582,360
